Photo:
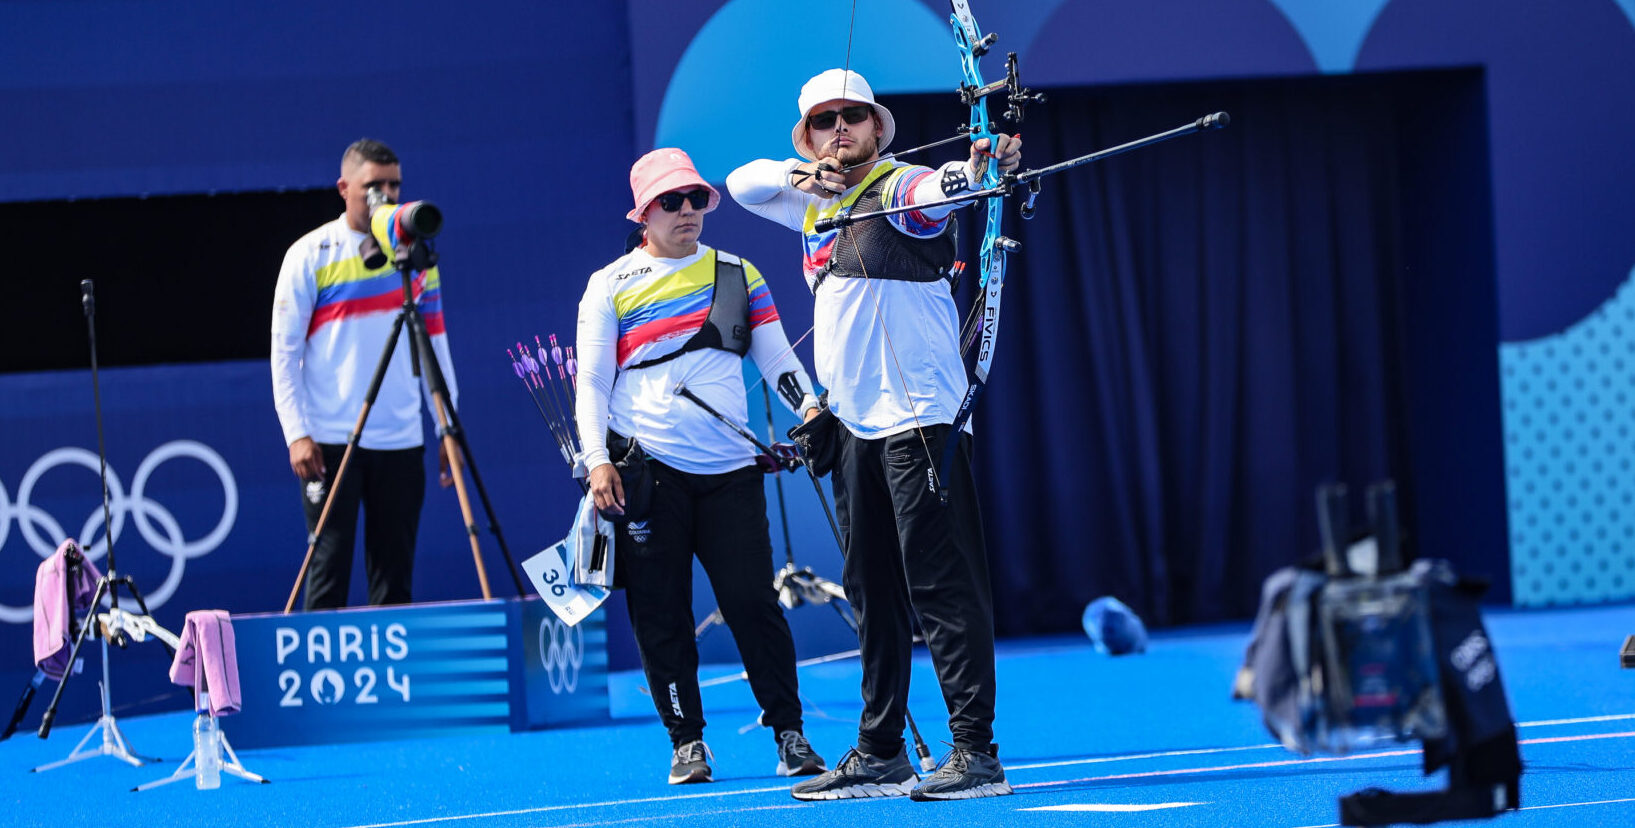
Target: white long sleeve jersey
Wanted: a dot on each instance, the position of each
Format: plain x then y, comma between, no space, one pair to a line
330,321
886,349
641,307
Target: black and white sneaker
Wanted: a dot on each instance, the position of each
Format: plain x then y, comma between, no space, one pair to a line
860,776
691,763
963,774
796,756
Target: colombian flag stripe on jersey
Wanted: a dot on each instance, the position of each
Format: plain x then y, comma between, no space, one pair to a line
347,289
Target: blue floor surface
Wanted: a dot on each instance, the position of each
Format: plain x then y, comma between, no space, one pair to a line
1147,740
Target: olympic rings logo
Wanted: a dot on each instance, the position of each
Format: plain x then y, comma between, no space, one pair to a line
562,649
154,522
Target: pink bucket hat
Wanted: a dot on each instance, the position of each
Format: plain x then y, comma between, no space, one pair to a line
838,84
661,171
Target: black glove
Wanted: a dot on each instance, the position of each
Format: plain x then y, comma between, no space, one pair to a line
819,439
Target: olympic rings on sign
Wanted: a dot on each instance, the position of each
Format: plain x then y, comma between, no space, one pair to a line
157,526
562,649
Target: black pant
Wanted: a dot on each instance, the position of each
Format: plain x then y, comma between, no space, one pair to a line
390,485
721,518
908,553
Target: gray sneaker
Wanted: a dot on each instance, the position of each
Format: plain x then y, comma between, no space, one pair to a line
963,774
860,776
690,763
796,756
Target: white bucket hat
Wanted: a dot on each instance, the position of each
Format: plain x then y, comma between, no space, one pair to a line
838,84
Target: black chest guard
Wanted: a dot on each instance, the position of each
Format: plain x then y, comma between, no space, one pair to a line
888,253
727,327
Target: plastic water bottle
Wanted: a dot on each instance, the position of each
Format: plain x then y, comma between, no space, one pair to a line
206,747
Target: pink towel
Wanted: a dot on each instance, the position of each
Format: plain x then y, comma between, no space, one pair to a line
207,659
53,616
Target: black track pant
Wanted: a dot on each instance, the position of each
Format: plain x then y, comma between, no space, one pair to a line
720,518
909,555
391,486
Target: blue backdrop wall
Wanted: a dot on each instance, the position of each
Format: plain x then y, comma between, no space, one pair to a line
520,119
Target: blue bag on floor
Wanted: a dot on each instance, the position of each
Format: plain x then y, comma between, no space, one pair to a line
1114,628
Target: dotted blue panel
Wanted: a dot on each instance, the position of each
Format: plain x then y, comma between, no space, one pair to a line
1569,433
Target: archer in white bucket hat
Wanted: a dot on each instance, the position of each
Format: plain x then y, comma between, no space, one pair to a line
838,85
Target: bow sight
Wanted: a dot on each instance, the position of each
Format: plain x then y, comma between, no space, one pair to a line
1017,96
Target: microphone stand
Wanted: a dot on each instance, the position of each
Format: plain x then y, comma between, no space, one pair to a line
112,624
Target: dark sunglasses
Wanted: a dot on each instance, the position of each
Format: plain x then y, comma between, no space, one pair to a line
825,120
671,202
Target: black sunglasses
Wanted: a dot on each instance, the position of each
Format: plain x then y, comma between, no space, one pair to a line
854,115
671,202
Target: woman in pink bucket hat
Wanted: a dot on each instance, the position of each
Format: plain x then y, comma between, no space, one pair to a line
675,312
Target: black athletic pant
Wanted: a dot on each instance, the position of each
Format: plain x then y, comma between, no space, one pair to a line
721,518
391,486
908,553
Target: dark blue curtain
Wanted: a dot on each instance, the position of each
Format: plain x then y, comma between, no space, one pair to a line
1193,336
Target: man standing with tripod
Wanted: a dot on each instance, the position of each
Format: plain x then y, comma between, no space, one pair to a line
331,318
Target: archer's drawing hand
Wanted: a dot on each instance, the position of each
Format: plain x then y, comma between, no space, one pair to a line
821,178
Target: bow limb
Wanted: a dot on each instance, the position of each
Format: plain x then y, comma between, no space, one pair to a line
972,46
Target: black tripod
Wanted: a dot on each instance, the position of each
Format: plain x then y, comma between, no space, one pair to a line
797,586
115,625
414,253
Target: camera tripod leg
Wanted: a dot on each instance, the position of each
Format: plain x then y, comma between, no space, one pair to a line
456,467
458,451
459,433
346,457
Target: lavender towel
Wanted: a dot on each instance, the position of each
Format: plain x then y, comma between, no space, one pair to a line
207,659
53,617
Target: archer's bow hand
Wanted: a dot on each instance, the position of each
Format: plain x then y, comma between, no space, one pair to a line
1009,154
